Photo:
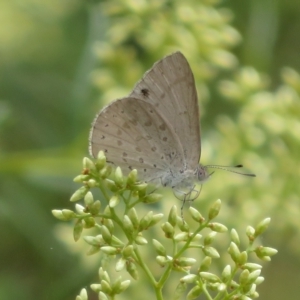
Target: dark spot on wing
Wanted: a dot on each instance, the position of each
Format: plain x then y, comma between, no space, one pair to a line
125,154
145,92
162,127
141,160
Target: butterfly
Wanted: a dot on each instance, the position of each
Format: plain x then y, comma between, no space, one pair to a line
156,129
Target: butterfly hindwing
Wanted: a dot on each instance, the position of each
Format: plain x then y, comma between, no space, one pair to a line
134,135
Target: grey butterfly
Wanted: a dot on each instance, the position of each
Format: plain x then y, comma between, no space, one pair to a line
156,129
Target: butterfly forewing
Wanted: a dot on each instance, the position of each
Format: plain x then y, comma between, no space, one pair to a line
170,86
135,135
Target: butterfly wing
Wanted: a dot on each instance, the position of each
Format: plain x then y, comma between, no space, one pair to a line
170,86
135,135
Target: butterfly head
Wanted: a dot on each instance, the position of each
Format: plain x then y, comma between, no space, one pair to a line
202,174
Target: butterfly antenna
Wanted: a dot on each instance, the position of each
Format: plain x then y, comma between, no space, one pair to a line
228,168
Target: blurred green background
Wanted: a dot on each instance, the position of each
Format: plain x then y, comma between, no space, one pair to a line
61,61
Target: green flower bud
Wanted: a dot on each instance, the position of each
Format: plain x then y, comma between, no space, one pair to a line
210,277
243,257
103,275
140,187
88,164
106,235
81,178
124,285
83,295
163,260
105,287
160,249
265,251
250,232
102,296
89,222
209,238
105,172
145,221
128,251
155,219
127,225
168,229
116,285
77,230
195,292
119,180
80,209
64,215
79,194
109,250
252,266
205,264
234,252
131,269
172,218
120,264
116,242
140,240
183,226
214,209
195,214
253,276
96,287
212,252
111,185
109,224
95,207
91,183
57,213
181,237
114,200
88,199
94,240
93,250
132,177
100,161
226,274
218,227
262,226
152,198
221,287
235,237
180,289
190,278
132,214
244,277
185,261
259,280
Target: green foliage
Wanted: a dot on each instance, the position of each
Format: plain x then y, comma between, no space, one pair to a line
178,247
51,52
